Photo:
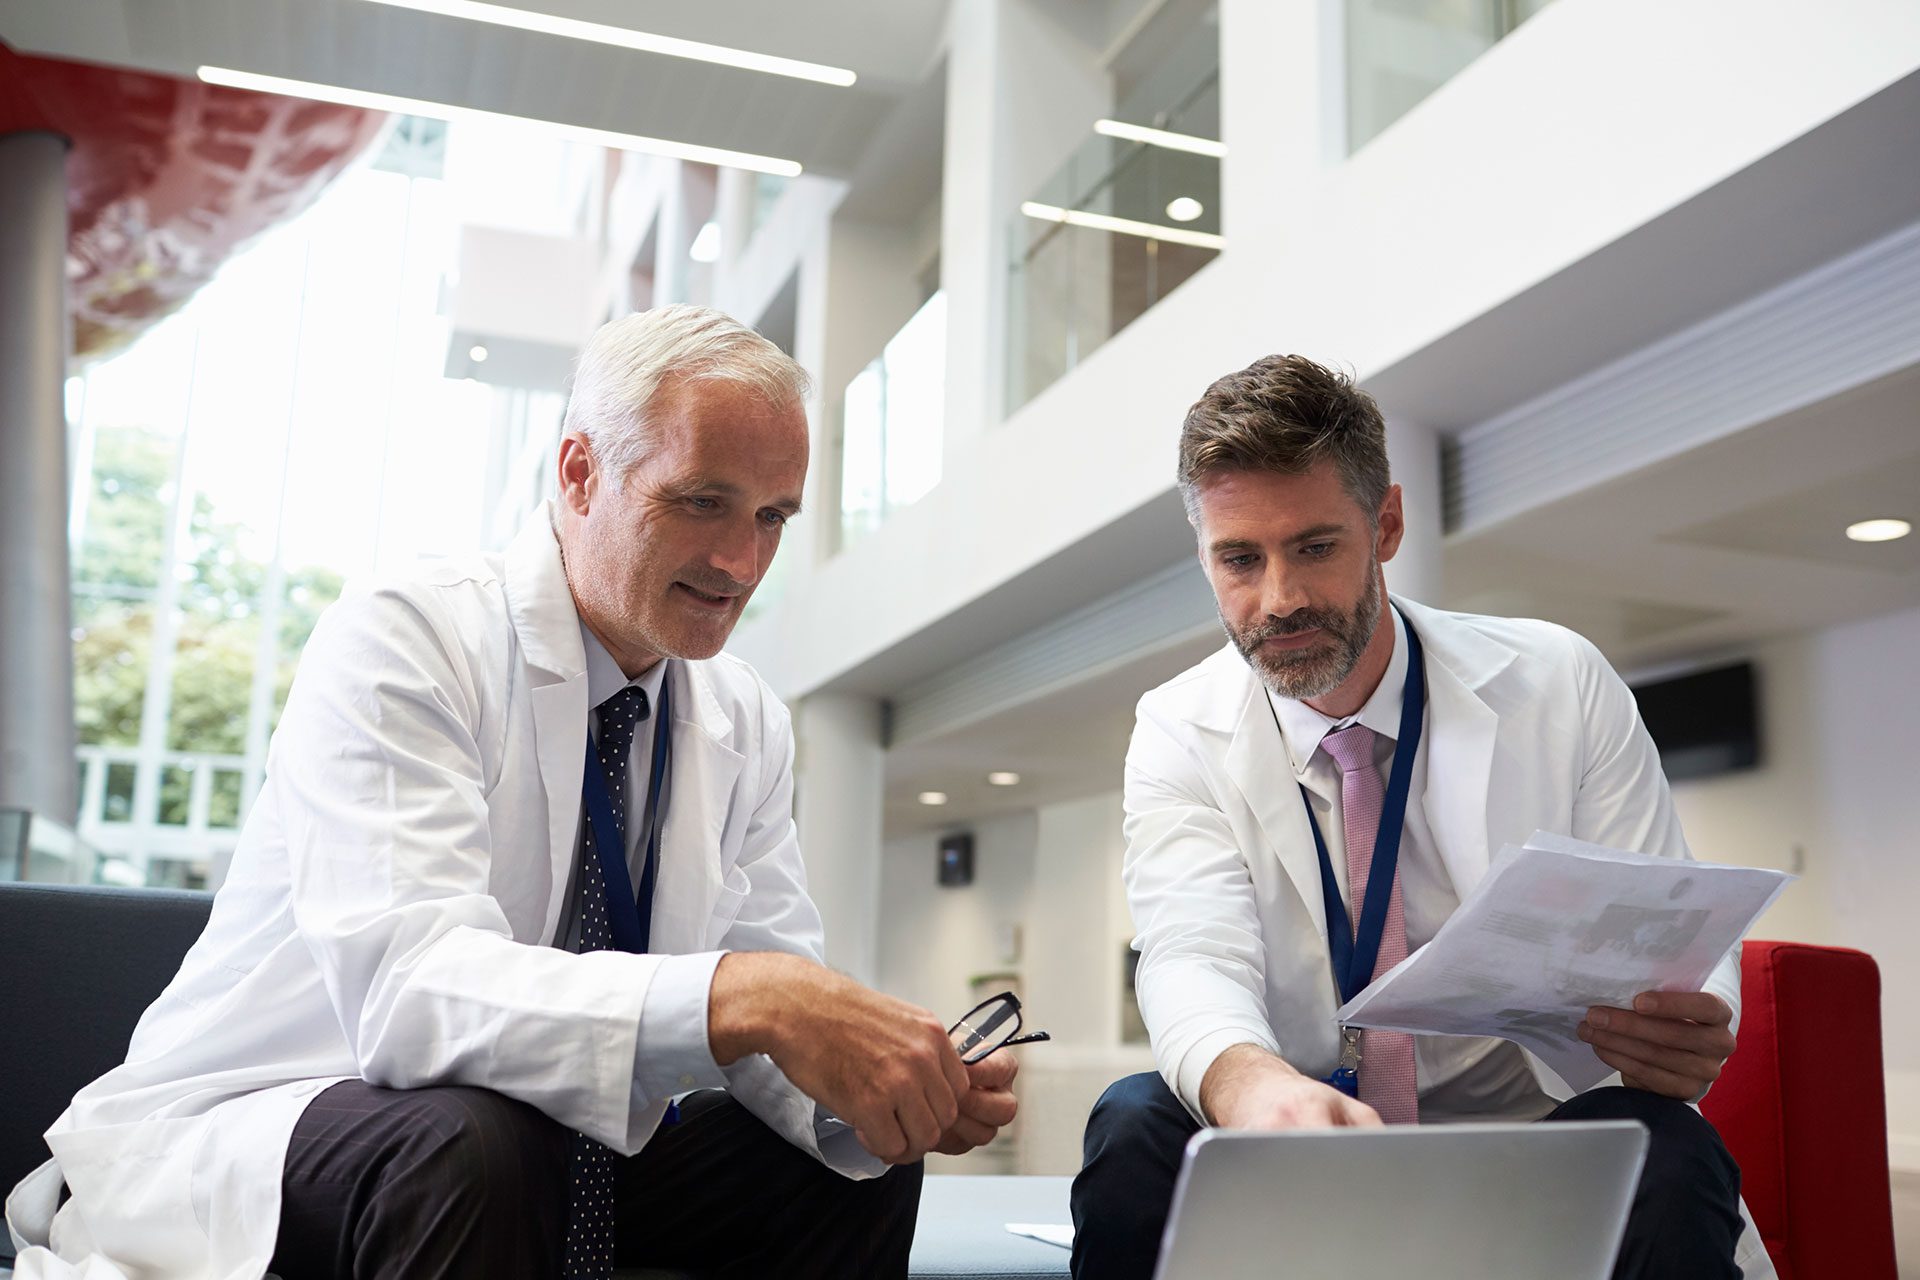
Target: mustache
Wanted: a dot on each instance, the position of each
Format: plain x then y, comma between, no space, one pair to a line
714,584
1307,619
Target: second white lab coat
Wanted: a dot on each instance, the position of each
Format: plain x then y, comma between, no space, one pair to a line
1528,728
390,911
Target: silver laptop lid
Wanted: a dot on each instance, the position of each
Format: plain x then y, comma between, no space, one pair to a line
1440,1202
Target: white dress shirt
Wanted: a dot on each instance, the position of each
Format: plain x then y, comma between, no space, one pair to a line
1461,1077
673,1054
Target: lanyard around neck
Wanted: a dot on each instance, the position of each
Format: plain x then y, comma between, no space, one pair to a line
630,924
1354,950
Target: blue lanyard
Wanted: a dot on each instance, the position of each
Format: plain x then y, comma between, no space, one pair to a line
1353,956
631,925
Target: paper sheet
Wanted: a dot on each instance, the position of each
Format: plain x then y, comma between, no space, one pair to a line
1044,1231
1556,926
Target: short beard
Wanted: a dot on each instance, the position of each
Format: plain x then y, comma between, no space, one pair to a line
1305,674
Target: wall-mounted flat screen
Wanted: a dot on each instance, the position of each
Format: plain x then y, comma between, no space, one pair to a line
1704,723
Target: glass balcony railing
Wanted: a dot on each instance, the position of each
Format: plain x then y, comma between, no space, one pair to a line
892,424
1133,213
1400,51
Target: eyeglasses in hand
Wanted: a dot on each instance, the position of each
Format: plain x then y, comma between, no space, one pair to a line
990,1026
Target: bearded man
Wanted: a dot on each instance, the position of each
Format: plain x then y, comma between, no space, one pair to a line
1254,814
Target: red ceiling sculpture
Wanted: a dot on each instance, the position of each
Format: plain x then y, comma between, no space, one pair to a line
168,177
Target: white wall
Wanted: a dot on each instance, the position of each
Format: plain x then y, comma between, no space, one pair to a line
1055,874
933,939
1837,797
1078,934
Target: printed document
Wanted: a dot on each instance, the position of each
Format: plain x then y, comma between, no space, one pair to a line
1557,926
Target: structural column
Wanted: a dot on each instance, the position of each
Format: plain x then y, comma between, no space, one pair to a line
1025,82
839,780
673,241
37,768
1413,455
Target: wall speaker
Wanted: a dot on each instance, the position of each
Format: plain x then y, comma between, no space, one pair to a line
956,859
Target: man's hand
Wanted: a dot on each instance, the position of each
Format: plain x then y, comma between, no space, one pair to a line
985,1108
1249,1088
880,1064
1671,1042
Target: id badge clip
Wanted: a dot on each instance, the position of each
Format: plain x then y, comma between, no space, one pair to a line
1346,1076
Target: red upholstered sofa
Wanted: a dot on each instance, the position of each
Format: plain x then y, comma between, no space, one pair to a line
1802,1106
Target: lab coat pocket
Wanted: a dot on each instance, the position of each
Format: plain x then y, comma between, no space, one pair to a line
727,902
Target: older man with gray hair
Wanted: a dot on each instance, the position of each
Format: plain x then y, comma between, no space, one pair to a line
524,873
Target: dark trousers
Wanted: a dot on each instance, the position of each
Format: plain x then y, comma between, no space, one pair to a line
1683,1225
460,1182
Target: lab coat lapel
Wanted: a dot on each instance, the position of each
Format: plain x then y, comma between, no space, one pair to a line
1460,733
548,626
700,780
1257,764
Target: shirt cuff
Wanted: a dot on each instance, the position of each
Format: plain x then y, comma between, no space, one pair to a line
672,1055
1199,1057
840,1150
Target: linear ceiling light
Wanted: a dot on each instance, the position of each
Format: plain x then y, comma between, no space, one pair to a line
627,38
1125,226
1160,138
447,111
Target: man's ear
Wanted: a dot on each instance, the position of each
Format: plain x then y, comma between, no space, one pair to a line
1391,525
579,473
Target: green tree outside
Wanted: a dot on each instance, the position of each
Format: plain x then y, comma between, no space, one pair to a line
220,602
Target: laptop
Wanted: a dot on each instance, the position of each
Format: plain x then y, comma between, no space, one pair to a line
1441,1202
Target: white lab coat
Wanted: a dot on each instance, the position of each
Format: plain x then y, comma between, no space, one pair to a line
390,912
1528,728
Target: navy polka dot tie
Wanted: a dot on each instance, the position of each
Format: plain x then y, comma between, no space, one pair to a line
590,1205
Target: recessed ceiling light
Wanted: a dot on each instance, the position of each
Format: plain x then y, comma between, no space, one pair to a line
448,111
627,38
933,797
1160,138
477,353
1003,778
1184,208
1125,226
1878,530
706,245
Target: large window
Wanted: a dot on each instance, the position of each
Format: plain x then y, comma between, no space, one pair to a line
290,428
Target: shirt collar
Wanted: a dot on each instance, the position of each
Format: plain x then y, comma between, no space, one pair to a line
605,678
1302,728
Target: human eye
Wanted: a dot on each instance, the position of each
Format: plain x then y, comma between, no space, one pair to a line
1317,550
774,518
700,502
1239,560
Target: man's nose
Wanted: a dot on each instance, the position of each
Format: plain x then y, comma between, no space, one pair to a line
737,554
1280,591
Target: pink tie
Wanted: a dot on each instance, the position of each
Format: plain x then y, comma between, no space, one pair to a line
1388,1082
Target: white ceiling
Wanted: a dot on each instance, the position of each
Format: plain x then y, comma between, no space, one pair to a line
891,44
1065,745
1724,546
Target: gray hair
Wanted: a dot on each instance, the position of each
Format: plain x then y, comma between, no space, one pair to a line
631,360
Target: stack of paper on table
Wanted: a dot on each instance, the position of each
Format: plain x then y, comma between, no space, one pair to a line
1557,926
